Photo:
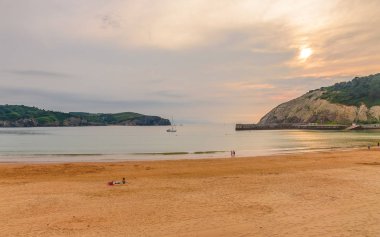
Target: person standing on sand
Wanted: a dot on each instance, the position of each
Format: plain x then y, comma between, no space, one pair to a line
378,144
369,147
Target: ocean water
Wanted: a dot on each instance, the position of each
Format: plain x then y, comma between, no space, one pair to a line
112,143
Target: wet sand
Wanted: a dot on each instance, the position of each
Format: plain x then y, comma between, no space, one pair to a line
310,194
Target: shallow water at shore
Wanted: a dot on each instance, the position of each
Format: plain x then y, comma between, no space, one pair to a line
154,143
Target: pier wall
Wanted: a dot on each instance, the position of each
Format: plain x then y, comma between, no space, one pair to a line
242,127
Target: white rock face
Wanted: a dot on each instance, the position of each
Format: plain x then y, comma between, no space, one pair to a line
309,108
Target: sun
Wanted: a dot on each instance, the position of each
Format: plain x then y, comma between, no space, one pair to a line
305,53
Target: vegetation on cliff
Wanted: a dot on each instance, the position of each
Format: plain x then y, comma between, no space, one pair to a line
25,116
361,90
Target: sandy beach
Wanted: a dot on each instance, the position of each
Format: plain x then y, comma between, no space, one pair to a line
312,194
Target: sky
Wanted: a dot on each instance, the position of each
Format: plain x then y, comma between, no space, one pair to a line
219,61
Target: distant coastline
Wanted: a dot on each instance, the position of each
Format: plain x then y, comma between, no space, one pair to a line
25,116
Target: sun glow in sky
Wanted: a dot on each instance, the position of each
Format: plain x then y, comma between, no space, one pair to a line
185,58
305,53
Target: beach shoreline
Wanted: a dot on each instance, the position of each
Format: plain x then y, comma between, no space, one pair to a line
116,158
329,193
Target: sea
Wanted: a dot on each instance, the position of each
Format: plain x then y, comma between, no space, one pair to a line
117,143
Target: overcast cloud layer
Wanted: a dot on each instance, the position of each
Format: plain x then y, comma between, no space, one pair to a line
216,60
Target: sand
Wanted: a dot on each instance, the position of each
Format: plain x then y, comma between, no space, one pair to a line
311,194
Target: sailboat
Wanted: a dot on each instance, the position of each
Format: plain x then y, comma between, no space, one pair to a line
172,129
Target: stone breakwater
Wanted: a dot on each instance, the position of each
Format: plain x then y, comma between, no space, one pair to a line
242,127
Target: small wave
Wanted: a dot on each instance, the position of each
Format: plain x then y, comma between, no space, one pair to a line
15,132
162,153
178,153
54,154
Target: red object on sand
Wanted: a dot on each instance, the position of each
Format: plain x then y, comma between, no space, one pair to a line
110,183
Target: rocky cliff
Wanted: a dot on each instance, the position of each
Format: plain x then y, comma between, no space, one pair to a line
344,103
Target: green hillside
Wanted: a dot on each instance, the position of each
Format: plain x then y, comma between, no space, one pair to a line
25,116
355,92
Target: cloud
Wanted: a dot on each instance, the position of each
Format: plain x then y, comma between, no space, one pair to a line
37,73
215,60
109,21
345,45
164,24
169,94
247,86
71,101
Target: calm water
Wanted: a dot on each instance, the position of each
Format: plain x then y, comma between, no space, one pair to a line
139,143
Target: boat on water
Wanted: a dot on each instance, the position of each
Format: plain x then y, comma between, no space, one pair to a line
172,129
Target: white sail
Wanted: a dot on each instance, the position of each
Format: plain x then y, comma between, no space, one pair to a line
172,129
